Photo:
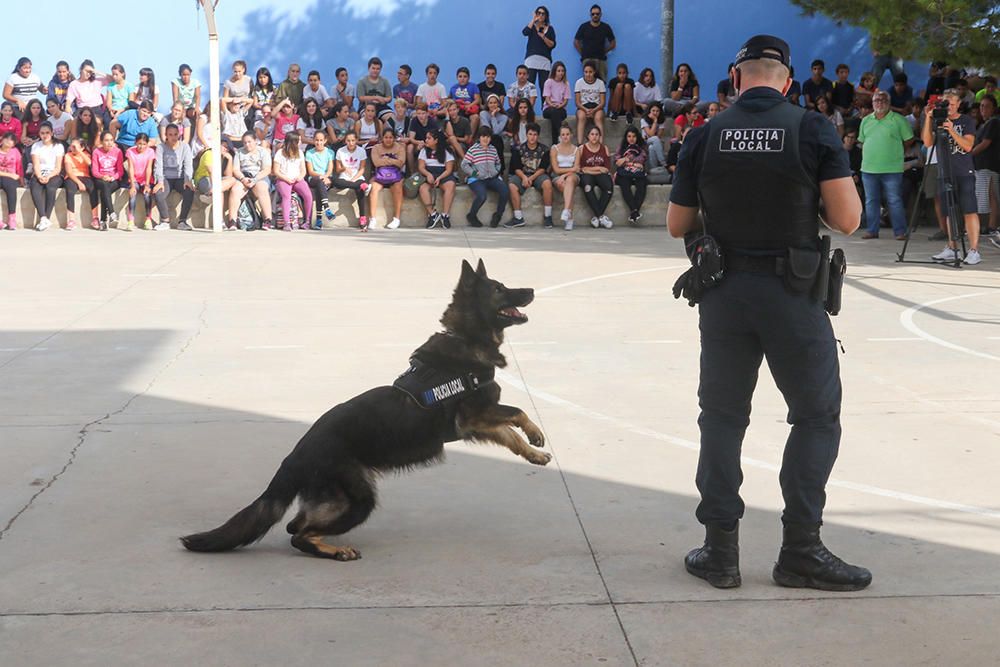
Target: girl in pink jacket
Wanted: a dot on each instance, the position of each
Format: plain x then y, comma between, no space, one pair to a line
107,167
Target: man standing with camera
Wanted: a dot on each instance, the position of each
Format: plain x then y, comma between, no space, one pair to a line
758,172
960,131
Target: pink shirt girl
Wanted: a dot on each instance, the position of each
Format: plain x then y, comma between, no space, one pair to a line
86,93
108,163
556,91
10,162
139,162
283,125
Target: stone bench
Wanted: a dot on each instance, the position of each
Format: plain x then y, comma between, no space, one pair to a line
343,205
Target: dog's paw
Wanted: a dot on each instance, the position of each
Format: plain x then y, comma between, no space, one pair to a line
347,553
538,458
535,436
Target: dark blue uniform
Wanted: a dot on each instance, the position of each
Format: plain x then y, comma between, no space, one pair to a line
755,173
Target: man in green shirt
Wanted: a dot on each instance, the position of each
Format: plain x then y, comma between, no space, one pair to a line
883,135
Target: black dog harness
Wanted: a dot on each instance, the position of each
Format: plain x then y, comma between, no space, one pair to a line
433,387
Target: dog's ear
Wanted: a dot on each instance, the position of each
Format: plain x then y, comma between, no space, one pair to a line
481,269
468,274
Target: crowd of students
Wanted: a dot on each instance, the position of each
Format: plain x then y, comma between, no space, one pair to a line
287,144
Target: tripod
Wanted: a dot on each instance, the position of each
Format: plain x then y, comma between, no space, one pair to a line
946,191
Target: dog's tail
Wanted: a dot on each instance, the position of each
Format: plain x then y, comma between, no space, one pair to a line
252,522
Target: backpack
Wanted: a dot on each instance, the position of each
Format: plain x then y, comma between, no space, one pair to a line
247,216
296,214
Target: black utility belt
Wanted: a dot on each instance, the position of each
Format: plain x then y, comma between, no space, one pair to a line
804,271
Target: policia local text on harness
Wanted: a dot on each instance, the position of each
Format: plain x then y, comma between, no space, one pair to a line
740,214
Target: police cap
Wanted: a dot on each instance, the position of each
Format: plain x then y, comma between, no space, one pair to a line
758,46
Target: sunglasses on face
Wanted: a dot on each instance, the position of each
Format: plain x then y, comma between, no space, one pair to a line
592,14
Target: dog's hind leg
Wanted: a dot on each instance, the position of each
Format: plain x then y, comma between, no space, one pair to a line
352,507
295,524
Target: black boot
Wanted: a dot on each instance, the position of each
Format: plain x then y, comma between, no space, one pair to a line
805,562
718,562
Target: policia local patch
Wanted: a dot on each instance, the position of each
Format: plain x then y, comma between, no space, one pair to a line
752,140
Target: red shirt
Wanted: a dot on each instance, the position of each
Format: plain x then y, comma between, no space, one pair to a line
13,126
682,120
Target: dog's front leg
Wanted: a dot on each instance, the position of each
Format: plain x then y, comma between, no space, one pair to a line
500,414
503,435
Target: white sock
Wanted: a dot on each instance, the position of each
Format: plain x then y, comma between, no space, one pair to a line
548,211
518,214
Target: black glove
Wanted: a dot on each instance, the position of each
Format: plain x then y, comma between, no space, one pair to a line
688,286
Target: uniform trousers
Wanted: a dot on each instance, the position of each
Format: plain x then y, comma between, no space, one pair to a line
747,318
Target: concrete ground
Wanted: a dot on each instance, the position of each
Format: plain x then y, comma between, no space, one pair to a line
152,383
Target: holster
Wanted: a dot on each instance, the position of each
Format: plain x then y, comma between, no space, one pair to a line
800,270
706,272
835,281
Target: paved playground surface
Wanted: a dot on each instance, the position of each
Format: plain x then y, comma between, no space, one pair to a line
152,383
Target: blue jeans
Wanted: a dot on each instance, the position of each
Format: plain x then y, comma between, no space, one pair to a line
892,186
479,188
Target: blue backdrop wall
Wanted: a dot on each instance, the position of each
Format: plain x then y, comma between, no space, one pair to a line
325,34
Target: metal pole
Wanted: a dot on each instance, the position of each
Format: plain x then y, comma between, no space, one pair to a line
214,139
666,44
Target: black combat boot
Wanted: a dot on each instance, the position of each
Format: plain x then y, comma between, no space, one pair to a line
805,562
718,562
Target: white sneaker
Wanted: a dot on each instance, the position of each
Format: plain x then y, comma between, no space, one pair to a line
393,224
566,215
947,255
568,225
184,226
606,222
973,257
43,224
372,223
595,223
162,227
113,218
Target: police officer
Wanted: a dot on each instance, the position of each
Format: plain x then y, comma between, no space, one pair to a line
758,171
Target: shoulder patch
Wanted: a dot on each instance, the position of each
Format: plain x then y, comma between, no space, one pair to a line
752,140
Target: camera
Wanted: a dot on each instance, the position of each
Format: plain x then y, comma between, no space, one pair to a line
940,112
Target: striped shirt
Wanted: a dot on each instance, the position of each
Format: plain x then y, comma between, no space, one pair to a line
481,163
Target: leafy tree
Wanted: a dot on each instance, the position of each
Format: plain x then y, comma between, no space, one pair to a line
960,32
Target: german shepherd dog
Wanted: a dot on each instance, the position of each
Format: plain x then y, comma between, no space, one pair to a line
333,468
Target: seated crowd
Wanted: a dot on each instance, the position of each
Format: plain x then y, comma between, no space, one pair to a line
287,144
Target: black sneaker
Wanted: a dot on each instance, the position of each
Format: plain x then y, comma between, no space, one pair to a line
938,236
446,221
628,118
495,220
612,115
514,222
432,220
473,220
548,222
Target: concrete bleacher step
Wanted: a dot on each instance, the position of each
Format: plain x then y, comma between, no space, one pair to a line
346,213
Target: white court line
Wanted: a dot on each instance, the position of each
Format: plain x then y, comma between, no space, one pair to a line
648,342
906,319
273,347
892,340
516,383
606,275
